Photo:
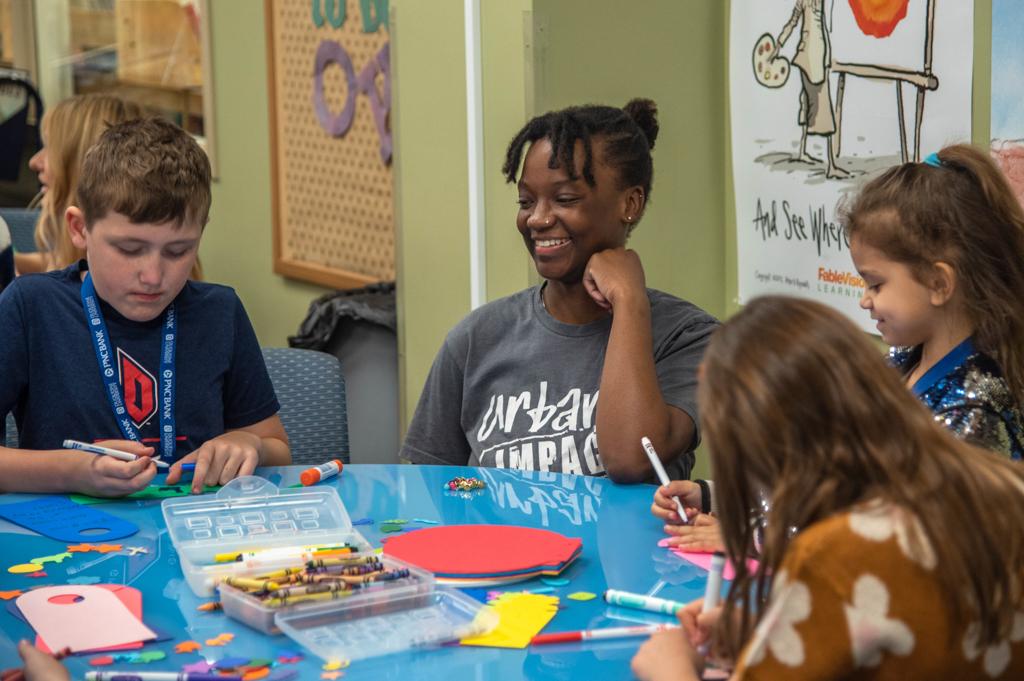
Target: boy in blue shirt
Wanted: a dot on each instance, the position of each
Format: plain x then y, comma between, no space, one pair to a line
122,349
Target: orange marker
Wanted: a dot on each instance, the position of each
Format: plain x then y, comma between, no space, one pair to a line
313,475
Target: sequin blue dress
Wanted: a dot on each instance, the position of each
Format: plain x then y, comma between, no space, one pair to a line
968,394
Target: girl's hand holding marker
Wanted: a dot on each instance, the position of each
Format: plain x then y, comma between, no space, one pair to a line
663,477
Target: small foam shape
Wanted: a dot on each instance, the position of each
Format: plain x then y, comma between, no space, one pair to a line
391,527
8,595
101,661
80,548
149,656
216,642
24,568
330,675
362,521
107,548
187,647
543,590
230,663
555,581
424,521
38,575
332,665
253,674
136,550
55,558
84,579
200,667
260,662
395,521
582,596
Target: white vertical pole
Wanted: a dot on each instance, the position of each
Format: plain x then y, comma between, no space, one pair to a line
475,149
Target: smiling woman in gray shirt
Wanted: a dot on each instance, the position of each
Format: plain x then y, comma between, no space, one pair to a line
516,383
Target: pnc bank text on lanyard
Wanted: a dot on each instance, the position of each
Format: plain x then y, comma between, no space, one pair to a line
108,373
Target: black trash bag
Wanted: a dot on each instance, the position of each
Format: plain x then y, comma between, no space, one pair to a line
374,303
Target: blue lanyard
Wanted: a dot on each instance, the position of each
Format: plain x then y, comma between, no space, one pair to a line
101,343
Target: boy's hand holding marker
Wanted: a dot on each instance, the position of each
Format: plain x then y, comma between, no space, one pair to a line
108,476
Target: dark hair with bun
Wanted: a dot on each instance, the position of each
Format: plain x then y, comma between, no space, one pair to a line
628,135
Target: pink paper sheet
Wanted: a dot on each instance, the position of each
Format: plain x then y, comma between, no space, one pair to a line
703,560
99,620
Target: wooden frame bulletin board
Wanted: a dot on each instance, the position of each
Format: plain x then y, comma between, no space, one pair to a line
330,99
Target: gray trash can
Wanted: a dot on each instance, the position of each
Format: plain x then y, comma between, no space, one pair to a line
359,328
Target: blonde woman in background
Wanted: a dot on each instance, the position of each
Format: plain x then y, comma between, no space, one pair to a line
69,129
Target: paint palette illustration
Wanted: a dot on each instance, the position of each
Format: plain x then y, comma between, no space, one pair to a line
770,72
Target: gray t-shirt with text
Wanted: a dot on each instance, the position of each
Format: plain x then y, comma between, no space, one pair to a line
513,387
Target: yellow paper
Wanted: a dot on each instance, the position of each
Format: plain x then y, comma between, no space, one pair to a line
521,616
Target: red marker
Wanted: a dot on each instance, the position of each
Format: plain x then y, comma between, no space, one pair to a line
592,634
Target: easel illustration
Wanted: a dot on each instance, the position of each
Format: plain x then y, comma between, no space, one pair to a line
923,80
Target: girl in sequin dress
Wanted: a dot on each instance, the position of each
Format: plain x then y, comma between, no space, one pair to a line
940,246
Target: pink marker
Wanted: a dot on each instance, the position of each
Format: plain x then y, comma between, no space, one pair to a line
596,634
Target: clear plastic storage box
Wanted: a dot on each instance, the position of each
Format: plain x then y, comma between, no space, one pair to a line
250,514
272,528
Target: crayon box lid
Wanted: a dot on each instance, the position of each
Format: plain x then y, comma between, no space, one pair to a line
252,514
387,622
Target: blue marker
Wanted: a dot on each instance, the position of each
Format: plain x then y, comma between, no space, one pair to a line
107,451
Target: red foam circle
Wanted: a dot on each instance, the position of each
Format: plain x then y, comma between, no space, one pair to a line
476,550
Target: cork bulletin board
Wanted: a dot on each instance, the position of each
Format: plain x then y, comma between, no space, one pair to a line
330,99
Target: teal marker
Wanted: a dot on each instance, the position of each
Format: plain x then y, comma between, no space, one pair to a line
642,602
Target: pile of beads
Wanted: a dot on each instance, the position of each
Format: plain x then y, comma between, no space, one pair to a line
464,484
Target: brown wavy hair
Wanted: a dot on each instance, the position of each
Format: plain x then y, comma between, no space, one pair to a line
796,402
965,214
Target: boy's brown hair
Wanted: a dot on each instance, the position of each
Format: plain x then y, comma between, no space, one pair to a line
150,171
797,404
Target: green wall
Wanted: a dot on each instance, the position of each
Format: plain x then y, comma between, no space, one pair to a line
669,52
537,55
236,247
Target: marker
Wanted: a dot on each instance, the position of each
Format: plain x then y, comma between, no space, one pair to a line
190,466
313,475
642,602
157,676
107,451
304,554
712,592
662,475
594,634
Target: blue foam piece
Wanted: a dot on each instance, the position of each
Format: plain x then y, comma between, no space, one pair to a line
59,518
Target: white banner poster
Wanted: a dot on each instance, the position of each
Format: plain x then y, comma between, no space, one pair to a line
825,94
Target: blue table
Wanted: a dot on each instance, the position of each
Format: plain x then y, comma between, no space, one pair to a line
619,551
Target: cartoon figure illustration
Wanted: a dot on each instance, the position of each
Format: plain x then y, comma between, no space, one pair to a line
813,58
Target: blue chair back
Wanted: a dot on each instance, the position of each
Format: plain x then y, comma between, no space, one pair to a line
311,390
22,222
